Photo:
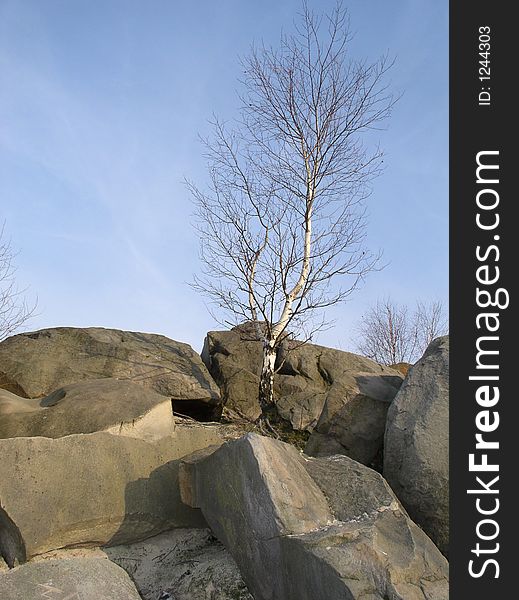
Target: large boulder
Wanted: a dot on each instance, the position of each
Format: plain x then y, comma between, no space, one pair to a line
119,407
339,397
311,528
78,578
92,489
33,365
416,450
189,564
253,491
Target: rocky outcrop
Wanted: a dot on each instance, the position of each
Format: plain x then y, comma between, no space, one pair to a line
340,397
85,578
311,529
353,418
33,365
416,451
119,407
92,489
189,564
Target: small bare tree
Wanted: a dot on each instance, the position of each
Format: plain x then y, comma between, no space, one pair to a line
430,322
390,333
283,216
14,309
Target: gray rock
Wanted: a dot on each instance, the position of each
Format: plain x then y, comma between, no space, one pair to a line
339,397
120,407
234,360
33,365
252,491
92,489
84,578
375,559
416,451
353,418
352,489
302,528
388,545
187,564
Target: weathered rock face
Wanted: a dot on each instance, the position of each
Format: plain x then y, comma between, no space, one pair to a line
85,578
311,529
354,415
253,491
35,364
374,537
92,489
342,398
387,558
120,407
416,450
352,490
189,564
234,360
11,403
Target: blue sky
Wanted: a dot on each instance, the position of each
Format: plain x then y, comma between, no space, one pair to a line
101,104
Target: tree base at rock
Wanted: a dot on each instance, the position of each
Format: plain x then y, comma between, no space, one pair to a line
337,398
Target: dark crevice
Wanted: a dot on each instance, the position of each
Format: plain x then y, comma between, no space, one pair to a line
196,409
328,379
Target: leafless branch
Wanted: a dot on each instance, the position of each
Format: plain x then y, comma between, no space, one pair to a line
283,216
15,310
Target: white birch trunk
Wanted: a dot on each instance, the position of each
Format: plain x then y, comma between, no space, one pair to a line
270,345
266,387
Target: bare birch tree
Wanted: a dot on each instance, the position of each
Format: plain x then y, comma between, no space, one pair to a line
283,217
14,308
391,333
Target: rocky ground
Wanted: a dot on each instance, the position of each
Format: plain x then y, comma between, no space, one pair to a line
131,468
